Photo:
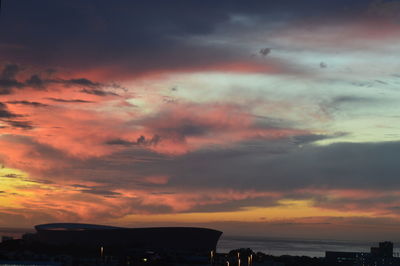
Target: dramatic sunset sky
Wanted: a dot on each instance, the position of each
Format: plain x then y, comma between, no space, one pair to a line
271,118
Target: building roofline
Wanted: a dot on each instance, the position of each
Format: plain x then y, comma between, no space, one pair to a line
73,226
83,227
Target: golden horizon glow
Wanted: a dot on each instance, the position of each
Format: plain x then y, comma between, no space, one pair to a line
288,209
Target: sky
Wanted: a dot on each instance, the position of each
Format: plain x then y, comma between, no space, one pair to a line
261,118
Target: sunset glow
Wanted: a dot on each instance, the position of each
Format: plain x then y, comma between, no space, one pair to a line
258,115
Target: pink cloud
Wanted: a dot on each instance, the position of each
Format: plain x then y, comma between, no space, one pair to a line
156,180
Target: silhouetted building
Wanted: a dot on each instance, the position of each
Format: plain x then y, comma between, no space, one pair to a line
385,250
379,256
88,244
183,239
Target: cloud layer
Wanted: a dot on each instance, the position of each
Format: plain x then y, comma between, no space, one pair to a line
274,115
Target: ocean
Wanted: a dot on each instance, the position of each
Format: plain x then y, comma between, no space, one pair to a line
15,232
294,247
271,246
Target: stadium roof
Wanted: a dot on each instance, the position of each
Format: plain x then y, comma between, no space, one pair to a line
74,226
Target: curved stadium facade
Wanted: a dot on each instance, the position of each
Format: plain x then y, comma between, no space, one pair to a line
190,239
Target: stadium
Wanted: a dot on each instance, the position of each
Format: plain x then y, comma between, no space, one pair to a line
183,239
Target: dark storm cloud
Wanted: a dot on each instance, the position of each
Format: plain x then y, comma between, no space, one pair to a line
8,78
80,82
143,141
69,100
10,71
140,35
96,190
34,104
9,83
120,142
36,81
106,193
98,92
344,101
253,165
23,178
19,124
265,51
264,166
12,176
10,118
261,165
140,141
4,113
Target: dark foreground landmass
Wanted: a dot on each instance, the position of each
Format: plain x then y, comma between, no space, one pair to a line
22,252
19,252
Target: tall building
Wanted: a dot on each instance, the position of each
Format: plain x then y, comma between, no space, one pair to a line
379,256
385,250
